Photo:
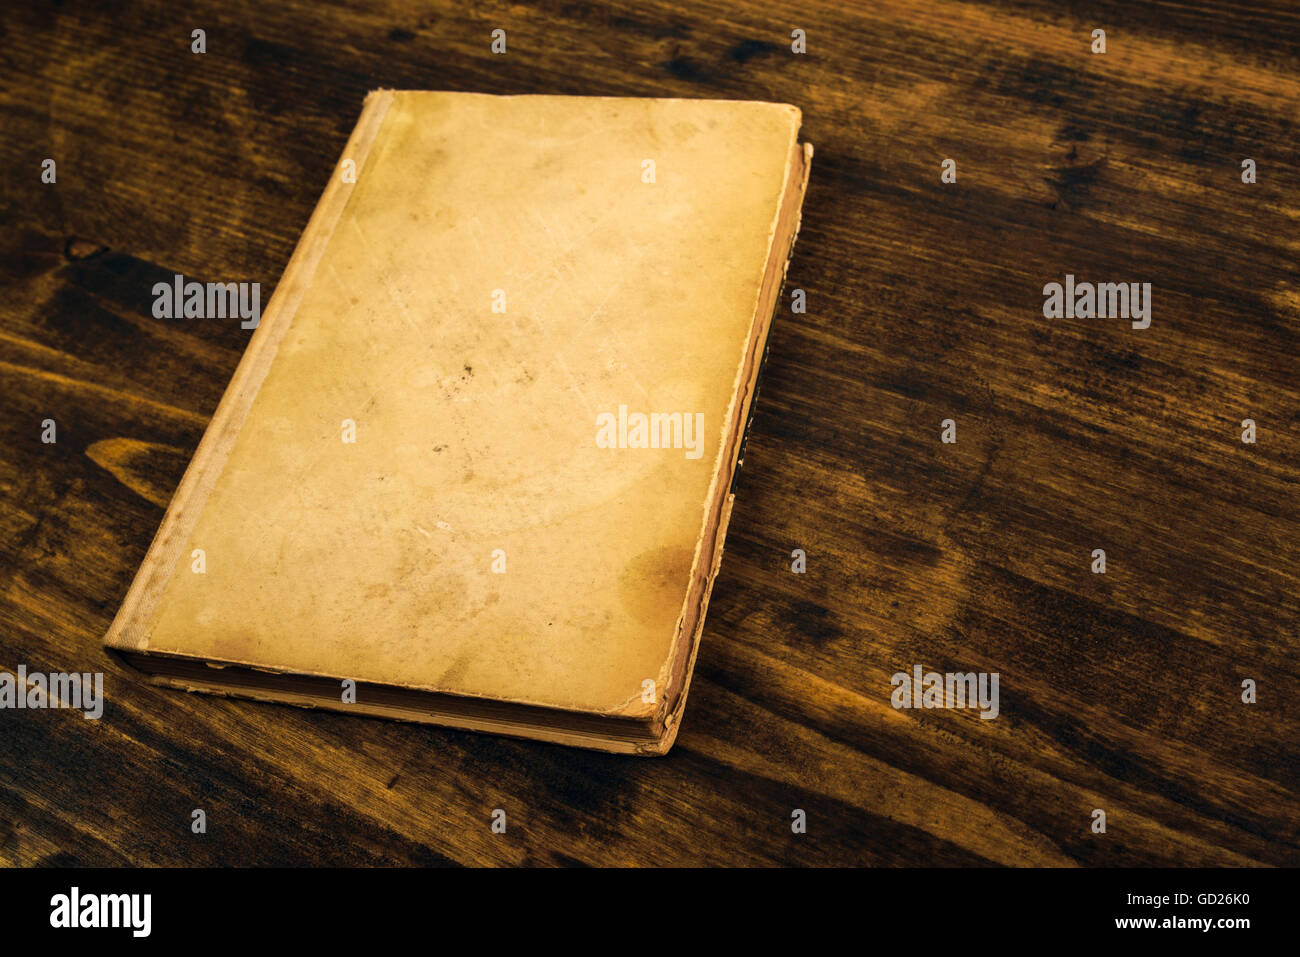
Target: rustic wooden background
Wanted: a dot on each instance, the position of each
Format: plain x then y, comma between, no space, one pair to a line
1119,691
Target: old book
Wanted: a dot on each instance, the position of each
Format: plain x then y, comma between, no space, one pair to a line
475,466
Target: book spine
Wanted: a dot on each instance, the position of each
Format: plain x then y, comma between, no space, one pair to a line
130,628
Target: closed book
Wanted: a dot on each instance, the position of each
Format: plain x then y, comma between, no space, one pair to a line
475,467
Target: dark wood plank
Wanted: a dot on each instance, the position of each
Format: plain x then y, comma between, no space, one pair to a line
1119,691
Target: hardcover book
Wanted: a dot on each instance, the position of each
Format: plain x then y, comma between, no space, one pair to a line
475,467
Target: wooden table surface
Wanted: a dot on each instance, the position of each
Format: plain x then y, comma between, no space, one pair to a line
1119,691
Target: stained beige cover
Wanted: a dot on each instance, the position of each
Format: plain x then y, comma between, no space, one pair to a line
379,560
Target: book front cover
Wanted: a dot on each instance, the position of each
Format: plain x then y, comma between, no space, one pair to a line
481,457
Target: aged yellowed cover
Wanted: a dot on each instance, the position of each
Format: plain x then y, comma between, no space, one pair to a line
426,475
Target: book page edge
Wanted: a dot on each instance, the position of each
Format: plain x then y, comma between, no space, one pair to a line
673,707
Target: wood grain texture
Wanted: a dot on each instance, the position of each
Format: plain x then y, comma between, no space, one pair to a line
1119,691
